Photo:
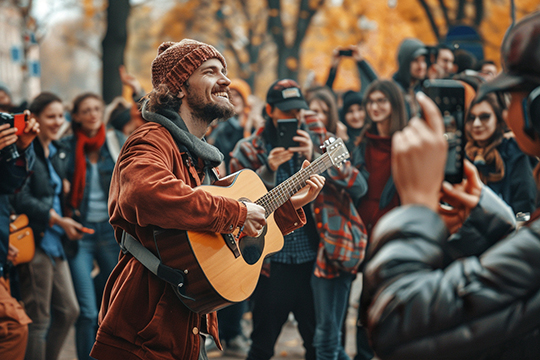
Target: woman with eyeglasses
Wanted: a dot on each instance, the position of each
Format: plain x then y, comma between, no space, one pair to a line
501,164
385,114
45,282
89,171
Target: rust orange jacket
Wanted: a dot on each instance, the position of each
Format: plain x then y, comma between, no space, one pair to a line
153,184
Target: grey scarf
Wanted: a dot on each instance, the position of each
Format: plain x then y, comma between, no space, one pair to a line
181,135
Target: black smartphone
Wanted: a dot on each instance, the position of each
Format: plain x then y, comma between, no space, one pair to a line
345,52
449,95
286,129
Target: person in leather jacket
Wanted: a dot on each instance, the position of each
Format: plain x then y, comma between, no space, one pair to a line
476,293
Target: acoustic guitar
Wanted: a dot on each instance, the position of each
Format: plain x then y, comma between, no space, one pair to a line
222,269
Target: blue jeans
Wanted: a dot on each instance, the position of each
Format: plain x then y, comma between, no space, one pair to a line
102,247
331,298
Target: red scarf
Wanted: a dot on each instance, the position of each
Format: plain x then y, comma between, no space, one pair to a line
84,144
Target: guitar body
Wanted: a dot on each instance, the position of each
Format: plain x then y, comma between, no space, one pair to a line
220,269
217,271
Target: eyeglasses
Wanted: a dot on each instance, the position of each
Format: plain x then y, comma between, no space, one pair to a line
380,101
484,117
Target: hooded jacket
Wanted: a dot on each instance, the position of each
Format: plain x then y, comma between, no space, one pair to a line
409,50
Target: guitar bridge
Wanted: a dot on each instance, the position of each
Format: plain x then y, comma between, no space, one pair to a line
231,244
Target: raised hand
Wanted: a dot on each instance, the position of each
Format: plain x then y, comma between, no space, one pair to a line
278,156
29,133
419,154
305,145
461,197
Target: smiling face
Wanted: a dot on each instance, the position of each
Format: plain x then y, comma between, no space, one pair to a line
355,116
481,123
418,68
206,92
378,107
90,115
321,110
50,121
445,59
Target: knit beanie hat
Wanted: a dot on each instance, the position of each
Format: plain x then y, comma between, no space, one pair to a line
349,98
243,89
175,62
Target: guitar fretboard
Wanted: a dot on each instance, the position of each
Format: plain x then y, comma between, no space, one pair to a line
283,192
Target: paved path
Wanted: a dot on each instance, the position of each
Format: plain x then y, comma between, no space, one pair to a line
289,344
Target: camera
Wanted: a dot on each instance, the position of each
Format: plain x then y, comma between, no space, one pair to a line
10,152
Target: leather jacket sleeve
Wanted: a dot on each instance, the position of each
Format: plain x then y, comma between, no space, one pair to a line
420,305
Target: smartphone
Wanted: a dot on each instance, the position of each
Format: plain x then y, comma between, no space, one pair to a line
19,121
449,95
286,129
345,52
86,230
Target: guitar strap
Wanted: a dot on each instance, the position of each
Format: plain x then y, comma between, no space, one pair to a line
174,277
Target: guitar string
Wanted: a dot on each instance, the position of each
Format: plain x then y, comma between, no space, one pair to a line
277,196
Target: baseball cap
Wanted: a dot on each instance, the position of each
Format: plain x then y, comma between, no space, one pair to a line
520,57
285,94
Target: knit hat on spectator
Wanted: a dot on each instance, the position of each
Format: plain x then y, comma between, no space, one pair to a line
176,61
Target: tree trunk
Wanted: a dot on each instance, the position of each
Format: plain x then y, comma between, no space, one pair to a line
114,44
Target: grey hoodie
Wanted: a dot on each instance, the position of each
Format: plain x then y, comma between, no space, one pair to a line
409,50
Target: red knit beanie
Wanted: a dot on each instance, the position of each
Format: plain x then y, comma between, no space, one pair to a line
175,62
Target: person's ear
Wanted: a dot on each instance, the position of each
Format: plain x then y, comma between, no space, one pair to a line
505,114
269,109
181,93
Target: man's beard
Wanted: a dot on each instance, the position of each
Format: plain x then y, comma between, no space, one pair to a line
208,112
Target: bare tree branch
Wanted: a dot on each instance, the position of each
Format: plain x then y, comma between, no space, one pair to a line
431,19
445,13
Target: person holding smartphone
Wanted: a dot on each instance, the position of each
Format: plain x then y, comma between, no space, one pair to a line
366,73
426,299
46,284
14,324
286,286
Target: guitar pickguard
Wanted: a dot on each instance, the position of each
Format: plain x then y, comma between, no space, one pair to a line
252,247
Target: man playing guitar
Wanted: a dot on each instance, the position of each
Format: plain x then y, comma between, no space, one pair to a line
154,188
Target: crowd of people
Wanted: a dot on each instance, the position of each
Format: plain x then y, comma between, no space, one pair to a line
445,272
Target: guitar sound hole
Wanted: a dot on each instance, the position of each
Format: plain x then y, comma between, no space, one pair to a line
252,247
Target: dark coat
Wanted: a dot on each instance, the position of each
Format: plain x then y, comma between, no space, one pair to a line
477,297
517,188
37,196
14,173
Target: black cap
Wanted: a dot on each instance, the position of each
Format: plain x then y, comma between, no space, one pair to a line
520,55
286,95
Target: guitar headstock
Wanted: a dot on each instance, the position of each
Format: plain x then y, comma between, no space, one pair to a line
336,150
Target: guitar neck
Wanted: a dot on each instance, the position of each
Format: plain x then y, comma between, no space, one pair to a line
283,192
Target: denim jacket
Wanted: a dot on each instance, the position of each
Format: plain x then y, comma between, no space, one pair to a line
105,166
